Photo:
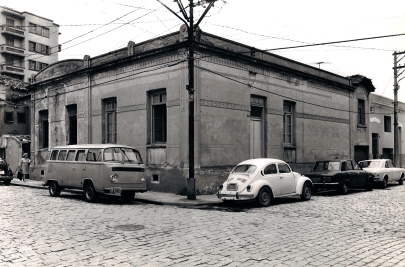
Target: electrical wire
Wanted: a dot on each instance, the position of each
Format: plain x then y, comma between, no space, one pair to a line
160,66
283,96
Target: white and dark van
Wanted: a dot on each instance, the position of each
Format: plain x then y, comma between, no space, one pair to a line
106,169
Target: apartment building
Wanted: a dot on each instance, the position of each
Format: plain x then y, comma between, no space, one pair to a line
28,43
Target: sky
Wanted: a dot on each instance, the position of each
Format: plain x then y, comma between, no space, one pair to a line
94,27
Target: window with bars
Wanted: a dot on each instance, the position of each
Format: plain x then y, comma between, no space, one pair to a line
110,119
361,112
159,117
288,123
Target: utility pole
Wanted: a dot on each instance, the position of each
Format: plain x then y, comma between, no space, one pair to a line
396,88
189,22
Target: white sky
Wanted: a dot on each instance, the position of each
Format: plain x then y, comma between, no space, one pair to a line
265,24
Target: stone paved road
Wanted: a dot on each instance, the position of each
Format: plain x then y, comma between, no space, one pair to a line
358,229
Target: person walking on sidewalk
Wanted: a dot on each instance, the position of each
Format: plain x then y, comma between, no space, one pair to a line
24,166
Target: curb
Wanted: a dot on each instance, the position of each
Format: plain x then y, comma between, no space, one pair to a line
142,200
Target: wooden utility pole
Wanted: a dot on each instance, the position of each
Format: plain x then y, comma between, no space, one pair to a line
189,22
396,88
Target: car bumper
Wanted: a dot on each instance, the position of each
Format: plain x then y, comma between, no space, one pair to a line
331,185
2,178
235,196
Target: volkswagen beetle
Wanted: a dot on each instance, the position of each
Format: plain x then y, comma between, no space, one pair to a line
262,180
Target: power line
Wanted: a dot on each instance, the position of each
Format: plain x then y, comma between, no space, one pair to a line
307,44
337,42
283,96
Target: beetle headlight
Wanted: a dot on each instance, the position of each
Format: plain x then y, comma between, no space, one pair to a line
114,178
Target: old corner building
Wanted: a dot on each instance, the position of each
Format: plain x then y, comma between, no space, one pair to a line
247,104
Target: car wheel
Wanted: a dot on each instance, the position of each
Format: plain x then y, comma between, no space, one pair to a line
306,191
127,196
370,184
264,197
90,193
344,189
401,180
54,189
7,182
384,182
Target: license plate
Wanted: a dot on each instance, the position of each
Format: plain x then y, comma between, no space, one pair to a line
1,172
115,190
232,187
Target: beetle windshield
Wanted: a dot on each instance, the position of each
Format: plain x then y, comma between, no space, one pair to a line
122,155
370,164
247,169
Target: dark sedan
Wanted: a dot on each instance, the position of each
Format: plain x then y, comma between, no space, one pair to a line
340,175
6,175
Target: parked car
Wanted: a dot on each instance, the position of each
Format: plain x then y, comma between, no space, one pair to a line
97,169
384,171
340,175
262,180
6,175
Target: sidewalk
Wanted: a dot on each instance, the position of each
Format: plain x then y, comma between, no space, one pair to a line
150,197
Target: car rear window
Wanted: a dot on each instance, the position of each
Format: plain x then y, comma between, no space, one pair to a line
245,169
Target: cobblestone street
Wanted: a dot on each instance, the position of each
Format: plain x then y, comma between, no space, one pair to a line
358,229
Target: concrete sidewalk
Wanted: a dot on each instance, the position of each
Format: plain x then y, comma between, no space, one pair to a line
151,197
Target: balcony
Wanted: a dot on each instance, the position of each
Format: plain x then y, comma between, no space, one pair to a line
12,31
12,50
11,69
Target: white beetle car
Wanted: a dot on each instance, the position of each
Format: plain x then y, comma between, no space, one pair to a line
384,171
264,179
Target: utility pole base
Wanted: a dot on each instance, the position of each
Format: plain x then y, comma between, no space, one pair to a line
191,193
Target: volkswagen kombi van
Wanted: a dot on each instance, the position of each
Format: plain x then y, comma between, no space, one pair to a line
97,169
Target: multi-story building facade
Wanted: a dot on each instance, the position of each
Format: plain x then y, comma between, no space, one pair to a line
15,129
28,43
247,104
382,128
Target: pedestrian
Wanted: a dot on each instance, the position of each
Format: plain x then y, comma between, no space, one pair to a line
24,166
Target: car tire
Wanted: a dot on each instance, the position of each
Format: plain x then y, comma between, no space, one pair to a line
127,196
90,194
344,189
370,184
401,180
54,189
306,191
384,183
264,197
7,182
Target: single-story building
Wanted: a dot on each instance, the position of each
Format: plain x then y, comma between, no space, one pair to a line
247,104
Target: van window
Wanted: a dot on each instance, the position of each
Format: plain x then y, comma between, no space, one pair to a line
94,155
71,155
121,154
80,155
62,155
54,154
